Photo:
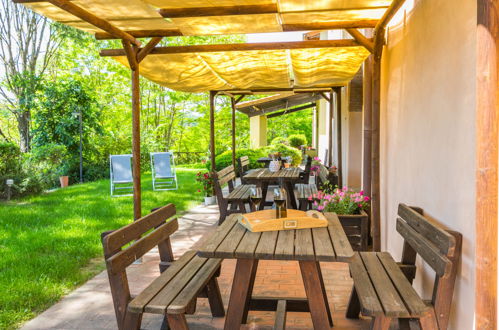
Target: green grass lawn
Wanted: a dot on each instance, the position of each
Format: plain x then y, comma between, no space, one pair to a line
48,243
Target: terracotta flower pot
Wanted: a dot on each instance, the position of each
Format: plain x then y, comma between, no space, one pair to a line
64,180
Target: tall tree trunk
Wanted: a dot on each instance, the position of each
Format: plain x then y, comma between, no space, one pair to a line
23,125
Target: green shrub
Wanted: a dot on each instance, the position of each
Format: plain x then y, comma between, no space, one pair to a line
10,158
285,152
297,140
48,162
281,140
225,159
13,165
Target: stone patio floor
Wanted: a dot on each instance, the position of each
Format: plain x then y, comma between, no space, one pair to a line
91,307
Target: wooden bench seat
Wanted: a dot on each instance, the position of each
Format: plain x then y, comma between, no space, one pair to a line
238,196
382,287
181,282
244,164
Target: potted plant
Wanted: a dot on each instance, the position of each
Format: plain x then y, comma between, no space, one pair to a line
206,180
350,206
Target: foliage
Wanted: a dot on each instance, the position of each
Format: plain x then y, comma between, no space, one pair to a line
299,122
297,140
225,159
60,104
13,167
341,201
206,180
10,158
48,162
51,243
280,139
28,43
286,151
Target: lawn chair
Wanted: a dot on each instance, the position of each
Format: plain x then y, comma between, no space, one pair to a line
121,174
164,176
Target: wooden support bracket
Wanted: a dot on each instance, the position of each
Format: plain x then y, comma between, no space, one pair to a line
361,39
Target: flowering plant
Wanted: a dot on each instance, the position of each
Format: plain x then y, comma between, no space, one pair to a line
340,201
316,162
207,181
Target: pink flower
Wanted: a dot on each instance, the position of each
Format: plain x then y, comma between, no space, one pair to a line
345,188
320,208
361,192
310,198
315,203
359,205
366,198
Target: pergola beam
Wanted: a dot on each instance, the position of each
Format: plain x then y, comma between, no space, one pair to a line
141,34
148,48
88,17
357,24
285,112
285,27
241,47
218,11
379,30
361,39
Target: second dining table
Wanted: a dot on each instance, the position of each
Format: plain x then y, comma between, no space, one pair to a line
287,177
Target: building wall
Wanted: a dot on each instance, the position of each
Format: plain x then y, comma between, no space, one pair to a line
428,131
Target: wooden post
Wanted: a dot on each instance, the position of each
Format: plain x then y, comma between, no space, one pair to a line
131,53
375,151
487,118
331,116
233,108
367,113
338,133
137,201
212,130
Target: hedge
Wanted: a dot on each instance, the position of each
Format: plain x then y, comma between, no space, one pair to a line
297,140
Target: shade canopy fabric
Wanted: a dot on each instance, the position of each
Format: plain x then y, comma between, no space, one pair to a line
278,16
233,70
249,70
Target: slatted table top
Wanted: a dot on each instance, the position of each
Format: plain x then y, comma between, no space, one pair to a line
233,241
292,173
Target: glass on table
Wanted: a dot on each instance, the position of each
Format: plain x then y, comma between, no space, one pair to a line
256,197
280,203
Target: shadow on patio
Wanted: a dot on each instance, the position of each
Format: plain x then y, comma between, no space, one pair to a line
91,306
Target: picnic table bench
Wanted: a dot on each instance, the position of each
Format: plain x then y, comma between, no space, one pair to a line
238,195
174,292
383,289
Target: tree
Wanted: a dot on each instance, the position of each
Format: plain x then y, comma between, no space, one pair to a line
56,120
28,42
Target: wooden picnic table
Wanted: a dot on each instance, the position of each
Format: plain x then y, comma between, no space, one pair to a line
287,177
307,246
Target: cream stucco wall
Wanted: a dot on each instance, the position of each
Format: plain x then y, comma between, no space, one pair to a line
428,131
258,131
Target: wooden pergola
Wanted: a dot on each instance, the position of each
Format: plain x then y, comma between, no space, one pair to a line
136,53
255,17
